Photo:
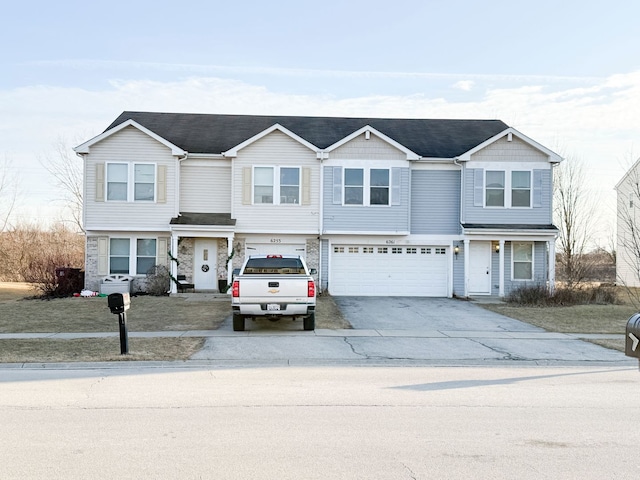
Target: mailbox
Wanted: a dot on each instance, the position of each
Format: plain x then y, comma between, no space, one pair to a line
119,302
632,337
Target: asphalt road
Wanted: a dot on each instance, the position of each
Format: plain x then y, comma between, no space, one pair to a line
135,422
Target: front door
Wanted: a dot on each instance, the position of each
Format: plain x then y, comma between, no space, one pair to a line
479,268
204,264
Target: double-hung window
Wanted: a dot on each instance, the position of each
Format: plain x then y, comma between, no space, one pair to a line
379,186
354,186
522,261
495,189
120,187
520,189
122,250
276,185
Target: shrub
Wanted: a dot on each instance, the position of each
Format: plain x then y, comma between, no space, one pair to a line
158,280
539,295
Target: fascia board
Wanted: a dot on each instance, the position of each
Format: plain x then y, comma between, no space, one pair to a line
233,152
84,148
633,168
553,157
367,128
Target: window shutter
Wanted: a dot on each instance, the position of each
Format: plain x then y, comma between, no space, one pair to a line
478,187
306,186
537,188
99,182
396,178
163,248
103,255
337,185
246,185
162,184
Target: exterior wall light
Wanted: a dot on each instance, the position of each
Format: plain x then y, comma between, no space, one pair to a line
456,250
497,248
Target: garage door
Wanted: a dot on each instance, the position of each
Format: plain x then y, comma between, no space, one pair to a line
383,270
275,249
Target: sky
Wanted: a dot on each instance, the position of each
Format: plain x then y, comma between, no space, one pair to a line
566,74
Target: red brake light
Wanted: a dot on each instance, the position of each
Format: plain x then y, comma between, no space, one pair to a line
311,288
235,288
274,256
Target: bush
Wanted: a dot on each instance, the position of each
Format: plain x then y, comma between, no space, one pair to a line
158,280
539,295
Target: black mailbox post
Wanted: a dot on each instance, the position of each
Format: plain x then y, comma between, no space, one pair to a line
632,337
119,303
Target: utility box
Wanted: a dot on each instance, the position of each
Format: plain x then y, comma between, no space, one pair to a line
632,337
119,302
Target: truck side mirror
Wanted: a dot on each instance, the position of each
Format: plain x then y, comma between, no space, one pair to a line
313,271
119,302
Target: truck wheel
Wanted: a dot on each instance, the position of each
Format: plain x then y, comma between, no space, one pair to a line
238,323
309,323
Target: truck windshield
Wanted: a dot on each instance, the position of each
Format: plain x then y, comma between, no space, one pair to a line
274,265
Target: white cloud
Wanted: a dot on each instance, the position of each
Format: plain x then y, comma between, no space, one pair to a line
464,85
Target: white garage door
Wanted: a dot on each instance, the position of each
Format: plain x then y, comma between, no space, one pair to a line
420,271
275,249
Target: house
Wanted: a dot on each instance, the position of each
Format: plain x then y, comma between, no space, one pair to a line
627,231
406,207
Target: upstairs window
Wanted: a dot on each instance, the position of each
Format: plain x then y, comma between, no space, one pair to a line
276,185
521,189
353,186
379,186
495,189
144,182
117,181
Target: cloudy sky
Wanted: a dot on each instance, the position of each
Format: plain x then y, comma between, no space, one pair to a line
566,73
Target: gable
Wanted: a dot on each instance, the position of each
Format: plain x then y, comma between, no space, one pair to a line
503,150
129,143
373,148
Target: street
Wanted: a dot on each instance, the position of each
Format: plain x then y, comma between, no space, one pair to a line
326,422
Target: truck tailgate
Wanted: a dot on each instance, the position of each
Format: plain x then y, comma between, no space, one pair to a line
280,287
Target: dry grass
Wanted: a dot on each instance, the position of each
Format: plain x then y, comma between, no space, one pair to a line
21,313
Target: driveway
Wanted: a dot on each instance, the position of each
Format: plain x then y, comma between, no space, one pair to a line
407,331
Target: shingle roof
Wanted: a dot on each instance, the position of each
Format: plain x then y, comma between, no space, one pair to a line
212,133
190,218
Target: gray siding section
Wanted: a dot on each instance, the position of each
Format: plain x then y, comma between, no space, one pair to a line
536,216
458,272
435,202
356,218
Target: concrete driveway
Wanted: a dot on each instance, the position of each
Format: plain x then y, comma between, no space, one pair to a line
401,330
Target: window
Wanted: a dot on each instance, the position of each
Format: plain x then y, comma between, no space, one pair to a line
353,186
141,189
354,249
263,185
117,181
276,185
495,189
379,186
119,255
522,261
383,250
289,185
144,182
520,189
145,255
396,250
367,249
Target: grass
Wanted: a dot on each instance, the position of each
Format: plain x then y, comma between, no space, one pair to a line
20,312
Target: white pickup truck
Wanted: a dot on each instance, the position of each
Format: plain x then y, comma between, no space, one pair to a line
274,286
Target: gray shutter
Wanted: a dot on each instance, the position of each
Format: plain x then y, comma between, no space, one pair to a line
306,186
478,187
99,182
103,255
396,179
246,186
162,184
337,185
537,188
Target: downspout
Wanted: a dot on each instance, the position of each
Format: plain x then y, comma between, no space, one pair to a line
465,242
321,154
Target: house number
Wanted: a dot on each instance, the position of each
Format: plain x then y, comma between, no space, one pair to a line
276,240
391,242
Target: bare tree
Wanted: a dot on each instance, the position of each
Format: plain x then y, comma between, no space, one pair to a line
66,168
575,215
9,186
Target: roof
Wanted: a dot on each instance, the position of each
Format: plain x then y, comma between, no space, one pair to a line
190,218
507,226
214,134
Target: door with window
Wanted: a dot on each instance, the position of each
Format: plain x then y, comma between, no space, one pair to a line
204,264
479,268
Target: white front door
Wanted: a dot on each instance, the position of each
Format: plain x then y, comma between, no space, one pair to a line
204,264
479,268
